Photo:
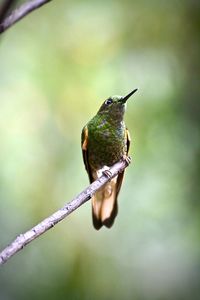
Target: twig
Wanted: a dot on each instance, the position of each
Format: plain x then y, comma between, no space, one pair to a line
23,239
20,13
5,7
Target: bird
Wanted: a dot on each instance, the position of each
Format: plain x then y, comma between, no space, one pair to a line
105,140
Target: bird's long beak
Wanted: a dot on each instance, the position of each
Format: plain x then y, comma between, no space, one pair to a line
124,99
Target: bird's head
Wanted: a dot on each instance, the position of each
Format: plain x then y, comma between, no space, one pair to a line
114,107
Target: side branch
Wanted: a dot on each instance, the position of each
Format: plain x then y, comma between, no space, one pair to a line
20,13
23,239
5,7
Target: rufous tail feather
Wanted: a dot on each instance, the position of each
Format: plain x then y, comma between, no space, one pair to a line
104,205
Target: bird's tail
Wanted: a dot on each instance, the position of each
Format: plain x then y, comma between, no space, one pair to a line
104,203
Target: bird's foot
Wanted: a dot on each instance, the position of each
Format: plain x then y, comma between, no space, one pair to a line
107,173
104,171
127,159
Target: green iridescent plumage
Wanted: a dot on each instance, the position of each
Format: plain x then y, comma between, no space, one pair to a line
105,140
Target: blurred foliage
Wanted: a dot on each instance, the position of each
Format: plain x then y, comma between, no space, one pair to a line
56,67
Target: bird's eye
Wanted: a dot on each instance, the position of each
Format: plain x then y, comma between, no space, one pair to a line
109,101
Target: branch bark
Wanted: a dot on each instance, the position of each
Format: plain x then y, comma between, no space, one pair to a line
23,239
20,13
4,8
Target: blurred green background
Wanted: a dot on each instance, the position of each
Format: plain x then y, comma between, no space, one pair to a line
56,67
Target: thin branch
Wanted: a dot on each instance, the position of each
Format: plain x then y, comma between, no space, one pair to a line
23,239
20,13
5,7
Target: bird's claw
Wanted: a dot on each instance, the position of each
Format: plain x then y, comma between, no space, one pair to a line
107,173
127,159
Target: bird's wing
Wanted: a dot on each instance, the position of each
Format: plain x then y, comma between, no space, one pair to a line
128,140
84,146
121,175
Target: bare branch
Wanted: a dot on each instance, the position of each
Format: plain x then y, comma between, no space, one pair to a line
5,7
20,13
23,239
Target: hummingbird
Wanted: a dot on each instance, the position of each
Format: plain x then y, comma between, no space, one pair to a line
105,140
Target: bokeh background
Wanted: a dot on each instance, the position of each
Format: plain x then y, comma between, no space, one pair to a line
56,67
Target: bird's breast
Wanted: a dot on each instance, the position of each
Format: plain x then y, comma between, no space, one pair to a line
106,145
